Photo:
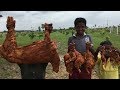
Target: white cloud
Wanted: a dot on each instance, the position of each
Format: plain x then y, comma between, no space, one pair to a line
64,19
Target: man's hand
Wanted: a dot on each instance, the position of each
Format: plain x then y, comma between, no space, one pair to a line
70,60
10,23
73,58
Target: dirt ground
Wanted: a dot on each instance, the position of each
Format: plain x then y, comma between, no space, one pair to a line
12,71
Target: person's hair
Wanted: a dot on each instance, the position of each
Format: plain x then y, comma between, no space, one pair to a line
107,42
79,20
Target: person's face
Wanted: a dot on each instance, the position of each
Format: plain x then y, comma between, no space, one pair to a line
107,50
80,28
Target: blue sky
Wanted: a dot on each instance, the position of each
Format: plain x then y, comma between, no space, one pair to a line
64,19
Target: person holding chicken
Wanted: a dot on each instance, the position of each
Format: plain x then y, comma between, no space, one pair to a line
80,39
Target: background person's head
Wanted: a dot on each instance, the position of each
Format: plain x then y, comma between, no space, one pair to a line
107,42
80,25
107,46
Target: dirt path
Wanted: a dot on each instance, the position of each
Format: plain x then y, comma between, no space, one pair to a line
12,71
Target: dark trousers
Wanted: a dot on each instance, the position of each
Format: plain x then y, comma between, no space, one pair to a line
33,71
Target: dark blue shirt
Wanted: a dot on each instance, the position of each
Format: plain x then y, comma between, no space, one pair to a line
80,42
